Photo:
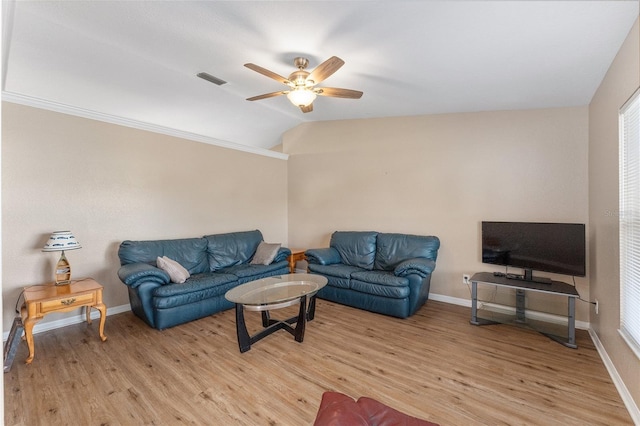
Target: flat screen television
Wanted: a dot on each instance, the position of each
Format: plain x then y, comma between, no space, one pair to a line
548,247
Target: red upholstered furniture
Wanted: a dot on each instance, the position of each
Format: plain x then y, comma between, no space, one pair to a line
337,409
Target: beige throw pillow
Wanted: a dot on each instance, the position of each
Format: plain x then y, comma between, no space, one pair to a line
176,271
265,253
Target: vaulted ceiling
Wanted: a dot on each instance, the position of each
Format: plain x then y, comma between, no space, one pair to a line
135,62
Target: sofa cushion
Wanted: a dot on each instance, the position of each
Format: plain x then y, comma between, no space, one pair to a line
356,248
394,248
380,284
195,289
265,253
176,271
191,253
230,249
380,277
338,275
249,270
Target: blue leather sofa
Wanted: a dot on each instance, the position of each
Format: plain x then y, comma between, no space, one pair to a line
216,263
384,273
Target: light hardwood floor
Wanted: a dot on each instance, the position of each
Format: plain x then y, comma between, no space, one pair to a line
434,365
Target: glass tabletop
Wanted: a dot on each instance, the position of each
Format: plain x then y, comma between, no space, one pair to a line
277,289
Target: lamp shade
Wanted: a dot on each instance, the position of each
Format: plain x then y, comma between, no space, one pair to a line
301,96
60,241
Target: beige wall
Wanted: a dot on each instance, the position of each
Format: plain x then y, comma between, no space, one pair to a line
108,183
622,79
437,175
441,175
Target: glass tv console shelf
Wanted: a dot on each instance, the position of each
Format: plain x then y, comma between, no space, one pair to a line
554,288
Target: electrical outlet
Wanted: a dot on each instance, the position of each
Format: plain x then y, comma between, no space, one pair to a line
466,278
597,306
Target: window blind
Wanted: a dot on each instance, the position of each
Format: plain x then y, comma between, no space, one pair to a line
629,217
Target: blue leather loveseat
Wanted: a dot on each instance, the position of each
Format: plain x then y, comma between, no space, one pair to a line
385,273
216,264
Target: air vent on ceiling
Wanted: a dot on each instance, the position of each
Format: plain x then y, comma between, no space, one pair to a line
212,79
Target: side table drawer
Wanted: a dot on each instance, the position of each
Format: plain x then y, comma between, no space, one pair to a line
67,302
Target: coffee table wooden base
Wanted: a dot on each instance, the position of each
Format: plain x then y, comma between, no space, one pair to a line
272,325
276,292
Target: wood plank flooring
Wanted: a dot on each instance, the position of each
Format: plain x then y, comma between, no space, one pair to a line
434,365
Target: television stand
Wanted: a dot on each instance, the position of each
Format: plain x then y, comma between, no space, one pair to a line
540,280
522,286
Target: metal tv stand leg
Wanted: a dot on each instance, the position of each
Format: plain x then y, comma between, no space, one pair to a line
474,303
520,307
474,307
572,323
570,341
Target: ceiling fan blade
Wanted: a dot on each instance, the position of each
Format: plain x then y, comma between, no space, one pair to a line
339,93
308,108
270,74
325,69
268,95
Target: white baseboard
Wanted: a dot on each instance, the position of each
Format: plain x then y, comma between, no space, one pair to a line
451,300
50,325
632,408
534,315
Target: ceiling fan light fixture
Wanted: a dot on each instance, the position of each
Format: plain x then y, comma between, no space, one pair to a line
301,96
302,91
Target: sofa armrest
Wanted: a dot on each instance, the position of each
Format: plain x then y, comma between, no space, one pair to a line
419,265
323,256
283,254
134,274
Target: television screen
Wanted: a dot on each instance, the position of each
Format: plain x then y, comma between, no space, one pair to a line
550,247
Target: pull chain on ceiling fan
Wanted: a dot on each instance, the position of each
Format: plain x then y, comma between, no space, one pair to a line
302,83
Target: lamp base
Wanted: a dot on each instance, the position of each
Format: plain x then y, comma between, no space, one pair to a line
63,271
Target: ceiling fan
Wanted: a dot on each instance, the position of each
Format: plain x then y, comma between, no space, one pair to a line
302,83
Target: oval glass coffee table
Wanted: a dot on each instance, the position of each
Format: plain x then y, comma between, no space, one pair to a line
271,293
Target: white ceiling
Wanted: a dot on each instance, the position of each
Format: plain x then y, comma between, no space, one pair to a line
136,61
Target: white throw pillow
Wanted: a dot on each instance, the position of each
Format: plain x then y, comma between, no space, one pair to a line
176,271
265,253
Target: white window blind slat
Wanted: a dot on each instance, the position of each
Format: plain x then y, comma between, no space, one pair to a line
629,217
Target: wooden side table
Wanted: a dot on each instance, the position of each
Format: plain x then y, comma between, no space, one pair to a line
40,300
296,255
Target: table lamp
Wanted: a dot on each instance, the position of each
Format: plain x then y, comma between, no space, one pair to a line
61,241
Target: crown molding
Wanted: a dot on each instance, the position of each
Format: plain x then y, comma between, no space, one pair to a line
8,12
135,124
